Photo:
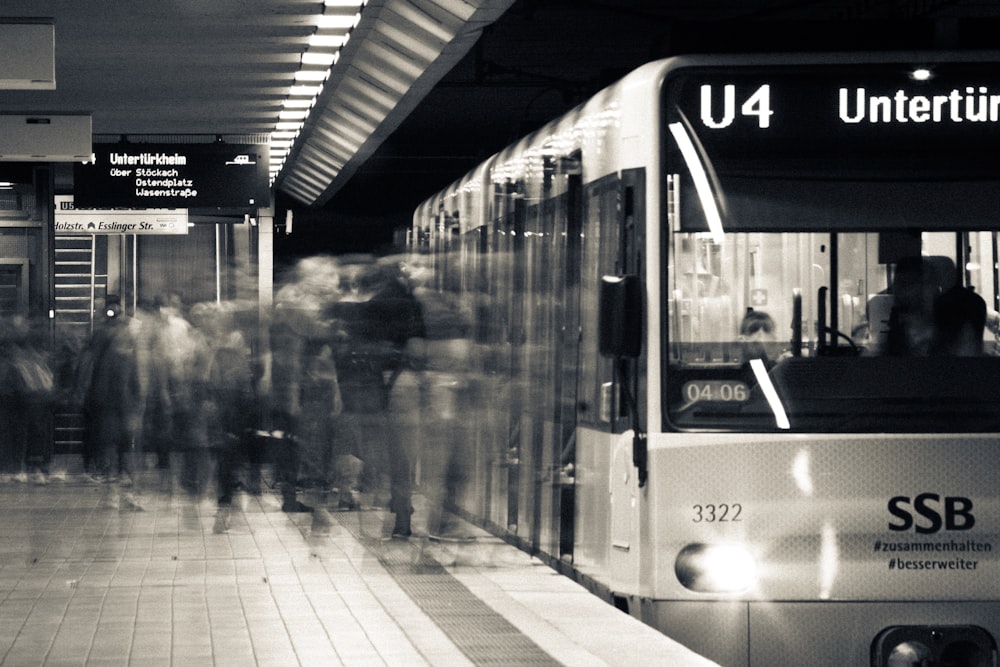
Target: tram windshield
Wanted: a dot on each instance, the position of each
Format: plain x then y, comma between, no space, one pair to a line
836,275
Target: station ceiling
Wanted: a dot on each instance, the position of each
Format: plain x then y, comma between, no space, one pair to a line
430,87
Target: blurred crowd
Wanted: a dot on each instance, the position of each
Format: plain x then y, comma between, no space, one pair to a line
340,386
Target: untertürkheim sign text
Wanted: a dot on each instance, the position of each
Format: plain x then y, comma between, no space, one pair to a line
192,176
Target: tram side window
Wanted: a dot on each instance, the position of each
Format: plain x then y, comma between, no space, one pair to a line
811,294
751,294
600,250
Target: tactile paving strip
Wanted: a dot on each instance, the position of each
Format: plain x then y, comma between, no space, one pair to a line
483,635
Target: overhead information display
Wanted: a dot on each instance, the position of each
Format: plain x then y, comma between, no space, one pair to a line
142,176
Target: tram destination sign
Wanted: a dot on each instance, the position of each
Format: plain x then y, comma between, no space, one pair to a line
862,119
846,146
143,176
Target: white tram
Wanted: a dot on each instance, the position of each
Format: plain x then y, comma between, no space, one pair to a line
732,357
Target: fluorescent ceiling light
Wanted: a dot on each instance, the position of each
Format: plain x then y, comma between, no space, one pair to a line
328,41
293,114
380,77
318,58
304,90
311,75
337,21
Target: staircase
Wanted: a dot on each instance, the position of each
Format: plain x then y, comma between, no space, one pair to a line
77,289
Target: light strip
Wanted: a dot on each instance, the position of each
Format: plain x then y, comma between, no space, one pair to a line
312,75
770,393
338,21
700,179
315,65
317,58
328,41
400,48
305,90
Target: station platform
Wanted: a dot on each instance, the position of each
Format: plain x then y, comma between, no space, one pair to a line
85,580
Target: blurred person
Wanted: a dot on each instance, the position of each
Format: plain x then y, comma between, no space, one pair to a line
299,377
445,410
112,409
321,403
69,386
234,418
156,431
285,400
174,371
917,282
38,395
26,390
232,401
960,317
383,336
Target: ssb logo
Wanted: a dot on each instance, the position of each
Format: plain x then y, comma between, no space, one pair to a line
932,513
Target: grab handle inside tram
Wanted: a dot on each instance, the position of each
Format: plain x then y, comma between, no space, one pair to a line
821,320
796,322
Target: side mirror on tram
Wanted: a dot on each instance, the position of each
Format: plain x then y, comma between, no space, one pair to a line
620,317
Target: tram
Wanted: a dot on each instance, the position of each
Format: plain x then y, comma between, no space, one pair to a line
732,354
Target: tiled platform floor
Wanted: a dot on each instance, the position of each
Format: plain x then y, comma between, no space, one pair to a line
85,583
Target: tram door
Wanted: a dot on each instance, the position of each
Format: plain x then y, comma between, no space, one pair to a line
545,345
562,225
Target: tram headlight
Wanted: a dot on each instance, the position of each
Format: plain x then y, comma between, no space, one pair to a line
914,645
716,568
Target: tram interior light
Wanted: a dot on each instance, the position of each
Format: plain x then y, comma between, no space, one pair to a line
716,568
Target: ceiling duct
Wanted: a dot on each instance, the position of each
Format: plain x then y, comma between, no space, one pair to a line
45,138
29,54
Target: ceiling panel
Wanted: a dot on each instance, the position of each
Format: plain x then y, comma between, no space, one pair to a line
170,66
